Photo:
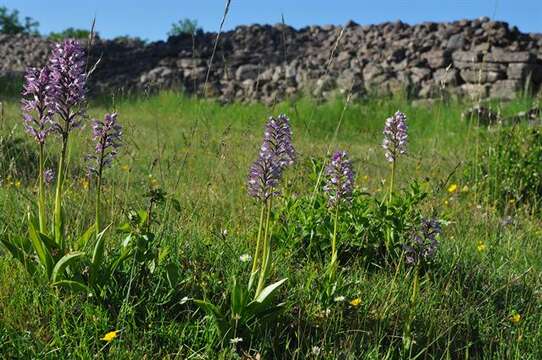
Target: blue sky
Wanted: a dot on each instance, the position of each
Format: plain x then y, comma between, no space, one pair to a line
152,19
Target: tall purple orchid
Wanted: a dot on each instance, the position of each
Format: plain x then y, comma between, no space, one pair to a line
395,142
66,89
276,153
107,134
340,179
37,114
395,136
37,117
339,188
423,245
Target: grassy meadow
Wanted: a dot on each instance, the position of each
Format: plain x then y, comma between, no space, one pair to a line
481,296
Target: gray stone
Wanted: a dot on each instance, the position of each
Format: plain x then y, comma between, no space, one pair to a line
270,63
323,85
466,57
429,90
475,91
438,58
420,74
522,71
456,42
183,63
505,89
248,71
481,76
446,77
348,82
502,56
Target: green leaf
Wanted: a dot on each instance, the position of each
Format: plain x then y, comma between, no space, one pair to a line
119,261
163,254
83,239
63,263
213,311
143,217
44,256
209,308
19,254
238,299
268,290
127,240
124,228
73,286
176,204
97,254
48,242
172,274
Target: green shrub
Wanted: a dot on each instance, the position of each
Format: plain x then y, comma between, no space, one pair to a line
11,24
185,26
305,224
70,33
507,172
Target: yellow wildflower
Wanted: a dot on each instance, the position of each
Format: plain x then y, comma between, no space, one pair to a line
125,168
84,183
481,246
452,188
446,202
355,302
110,336
18,184
366,178
515,318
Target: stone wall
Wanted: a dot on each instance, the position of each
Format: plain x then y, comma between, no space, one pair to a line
262,62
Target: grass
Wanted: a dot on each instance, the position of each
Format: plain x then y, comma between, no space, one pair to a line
199,152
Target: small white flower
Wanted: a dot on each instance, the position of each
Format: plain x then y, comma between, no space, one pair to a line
316,350
339,298
245,258
236,340
225,232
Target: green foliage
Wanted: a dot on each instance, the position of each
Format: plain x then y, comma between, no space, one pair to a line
306,223
508,171
185,27
475,302
10,86
11,24
238,317
70,33
19,159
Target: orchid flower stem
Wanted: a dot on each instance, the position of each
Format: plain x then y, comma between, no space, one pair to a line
392,179
58,221
98,204
255,260
41,193
99,193
333,264
389,230
266,251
